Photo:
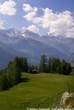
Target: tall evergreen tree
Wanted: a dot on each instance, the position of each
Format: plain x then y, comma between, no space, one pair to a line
49,65
43,64
14,71
25,65
5,82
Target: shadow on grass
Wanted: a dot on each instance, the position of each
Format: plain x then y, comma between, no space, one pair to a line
24,80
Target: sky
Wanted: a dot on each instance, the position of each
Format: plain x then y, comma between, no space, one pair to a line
52,17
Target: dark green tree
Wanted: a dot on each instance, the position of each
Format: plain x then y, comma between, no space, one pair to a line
43,64
25,65
49,65
14,71
5,82
66,68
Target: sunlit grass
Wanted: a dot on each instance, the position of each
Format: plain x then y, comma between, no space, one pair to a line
41,90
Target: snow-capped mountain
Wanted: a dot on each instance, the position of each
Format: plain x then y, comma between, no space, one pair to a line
15,42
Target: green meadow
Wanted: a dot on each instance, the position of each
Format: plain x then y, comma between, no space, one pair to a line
37,90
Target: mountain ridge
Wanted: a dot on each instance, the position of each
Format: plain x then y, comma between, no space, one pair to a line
25,43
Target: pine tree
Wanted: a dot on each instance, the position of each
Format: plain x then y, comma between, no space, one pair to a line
25,65
43,64
49,65
5,82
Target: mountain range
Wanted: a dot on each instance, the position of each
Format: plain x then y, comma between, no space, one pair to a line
15,42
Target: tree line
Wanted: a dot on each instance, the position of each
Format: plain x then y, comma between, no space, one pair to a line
54,65
12,74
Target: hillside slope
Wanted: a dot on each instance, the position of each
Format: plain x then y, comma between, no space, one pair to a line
40,90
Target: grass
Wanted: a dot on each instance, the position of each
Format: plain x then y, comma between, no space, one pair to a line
40,90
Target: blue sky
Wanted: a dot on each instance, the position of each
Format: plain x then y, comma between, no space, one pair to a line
42,11
56,5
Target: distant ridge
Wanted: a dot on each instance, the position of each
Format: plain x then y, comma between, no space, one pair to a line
15,42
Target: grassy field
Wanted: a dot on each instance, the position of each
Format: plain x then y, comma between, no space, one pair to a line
39,90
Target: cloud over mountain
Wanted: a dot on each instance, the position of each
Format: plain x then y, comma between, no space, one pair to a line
56,23
2,24
33,28
36,18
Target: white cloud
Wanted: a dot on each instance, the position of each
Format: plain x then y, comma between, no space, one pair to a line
8,7
33,28
48,17
28,8
56,24
30,12
2,24
30,16
63,25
